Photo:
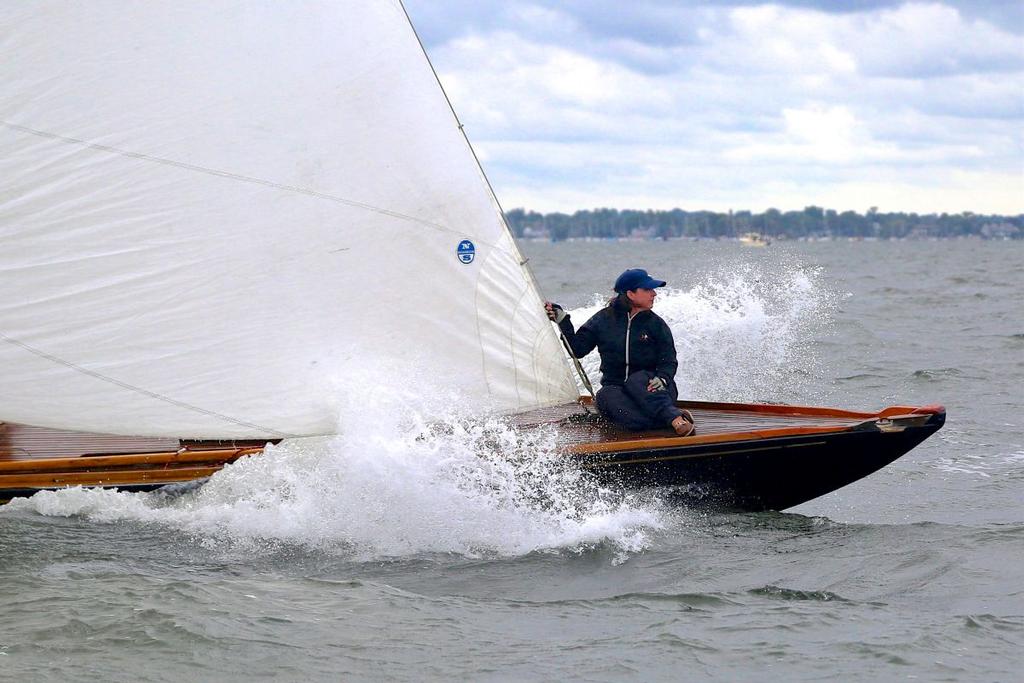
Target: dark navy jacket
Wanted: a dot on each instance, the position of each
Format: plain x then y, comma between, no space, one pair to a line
649,345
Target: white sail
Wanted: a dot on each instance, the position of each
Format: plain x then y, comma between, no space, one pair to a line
215,216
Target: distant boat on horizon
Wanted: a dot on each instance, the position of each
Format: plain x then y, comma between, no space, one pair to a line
755,239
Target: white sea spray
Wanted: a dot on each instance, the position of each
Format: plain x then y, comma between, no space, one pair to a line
391,484
744,332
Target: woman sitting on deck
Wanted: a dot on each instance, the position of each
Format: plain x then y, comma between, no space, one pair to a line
638,356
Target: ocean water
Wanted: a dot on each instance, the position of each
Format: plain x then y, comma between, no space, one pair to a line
378,555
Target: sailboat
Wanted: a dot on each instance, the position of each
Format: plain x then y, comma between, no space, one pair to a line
214,216
754,239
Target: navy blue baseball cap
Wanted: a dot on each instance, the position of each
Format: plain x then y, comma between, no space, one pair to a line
636,278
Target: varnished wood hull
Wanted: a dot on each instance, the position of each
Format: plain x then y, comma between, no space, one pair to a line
126,471
764,474
745,456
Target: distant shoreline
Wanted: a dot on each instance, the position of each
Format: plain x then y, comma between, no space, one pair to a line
813,223
782,239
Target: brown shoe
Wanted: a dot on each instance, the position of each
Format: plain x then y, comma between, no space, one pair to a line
683,425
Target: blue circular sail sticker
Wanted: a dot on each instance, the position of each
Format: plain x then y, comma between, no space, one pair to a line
466,251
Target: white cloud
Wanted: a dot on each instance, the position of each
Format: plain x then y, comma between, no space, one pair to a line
931,39
748,107
818,134
526,81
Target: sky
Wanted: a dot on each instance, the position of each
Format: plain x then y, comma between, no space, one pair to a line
718,105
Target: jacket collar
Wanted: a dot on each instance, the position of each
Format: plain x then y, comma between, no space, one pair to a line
620,305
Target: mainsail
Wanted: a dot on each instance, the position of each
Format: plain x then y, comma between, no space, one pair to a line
217,217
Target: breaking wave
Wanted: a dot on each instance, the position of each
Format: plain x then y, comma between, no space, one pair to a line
390,485
744,333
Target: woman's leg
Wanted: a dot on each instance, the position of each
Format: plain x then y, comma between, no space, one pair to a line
622,410
634,408
658,406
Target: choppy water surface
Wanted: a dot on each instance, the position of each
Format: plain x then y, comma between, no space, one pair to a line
378,554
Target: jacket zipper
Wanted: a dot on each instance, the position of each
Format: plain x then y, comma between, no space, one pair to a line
629,322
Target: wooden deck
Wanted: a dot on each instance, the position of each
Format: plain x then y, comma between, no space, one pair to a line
36,458
23,442
582,430
578,425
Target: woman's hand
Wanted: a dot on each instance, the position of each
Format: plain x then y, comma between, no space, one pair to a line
656,384
555,312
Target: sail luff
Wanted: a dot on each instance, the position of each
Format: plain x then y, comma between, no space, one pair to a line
533,287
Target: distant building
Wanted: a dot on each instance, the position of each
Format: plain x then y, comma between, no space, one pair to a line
536,233
999,231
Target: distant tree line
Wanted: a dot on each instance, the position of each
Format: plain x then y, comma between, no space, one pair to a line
812,222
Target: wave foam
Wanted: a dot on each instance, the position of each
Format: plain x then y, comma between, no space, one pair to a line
390,486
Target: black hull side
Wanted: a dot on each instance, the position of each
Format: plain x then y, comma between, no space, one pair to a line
762,474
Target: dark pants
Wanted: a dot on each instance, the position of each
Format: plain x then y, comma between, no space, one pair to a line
634,408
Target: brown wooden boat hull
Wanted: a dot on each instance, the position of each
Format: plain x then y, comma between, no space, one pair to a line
745,456
128,471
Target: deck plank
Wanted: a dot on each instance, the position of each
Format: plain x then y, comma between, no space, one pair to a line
24,442
577,424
